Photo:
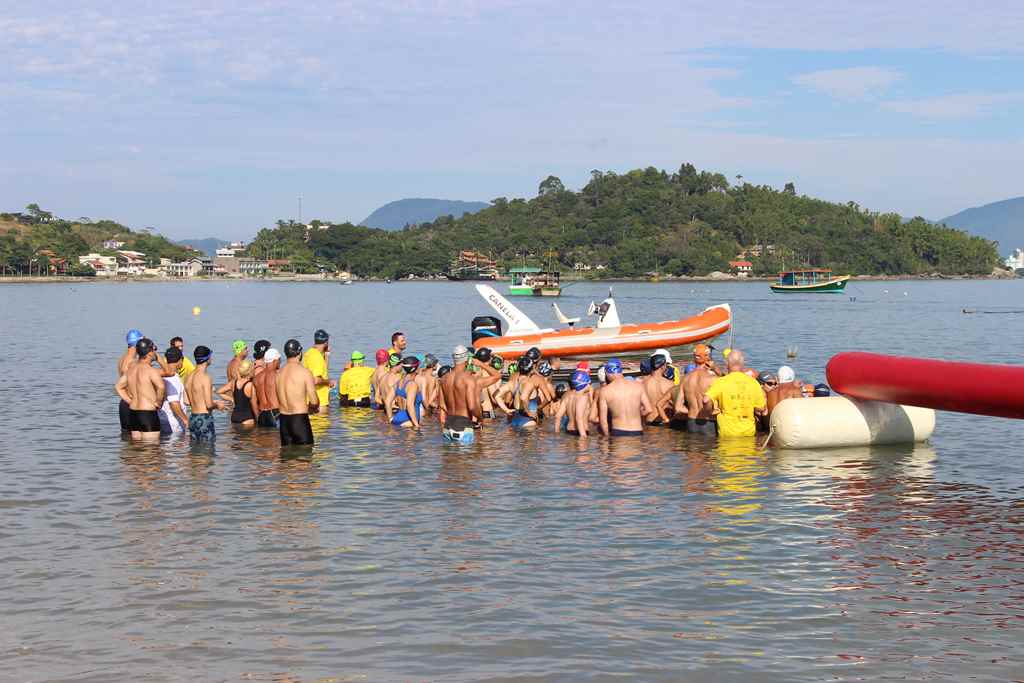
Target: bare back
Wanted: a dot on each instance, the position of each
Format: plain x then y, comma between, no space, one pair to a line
695,385
623,404
126,361
266,388
782,392
296,389
146,385
199,389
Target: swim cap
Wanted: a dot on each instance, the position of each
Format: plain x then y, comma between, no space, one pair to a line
645,366
701,353
766,377
690,368
144,347
822,390
394,359
544,368
497,362
238,346
382,356
534,353
133,337
580,380
602,375
429,360
665,354
410,364
525,365
172,355
271,355
483,354
669,373
259,349
202,354
726,352
245,368
657,362
583,365
358,356
443,370
320,337
613,367
786,374
460,353
560,389
292,348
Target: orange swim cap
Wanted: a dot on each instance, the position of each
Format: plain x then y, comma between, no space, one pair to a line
701,353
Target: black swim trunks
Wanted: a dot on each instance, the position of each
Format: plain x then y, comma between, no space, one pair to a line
702,426
295,430
124,413
267,418
145,421
626,432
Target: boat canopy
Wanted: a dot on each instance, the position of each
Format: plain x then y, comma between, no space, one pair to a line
810,276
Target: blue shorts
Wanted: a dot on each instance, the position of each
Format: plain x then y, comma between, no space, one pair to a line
200,427
519,421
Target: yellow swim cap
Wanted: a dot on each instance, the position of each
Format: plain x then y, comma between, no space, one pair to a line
726,352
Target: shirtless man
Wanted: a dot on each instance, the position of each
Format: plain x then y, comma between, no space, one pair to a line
241,350
579,403
259,351
199,389
296,395
788,387
700,415
460,396
659,386
143,387
622,404
379,372
266,390
126,361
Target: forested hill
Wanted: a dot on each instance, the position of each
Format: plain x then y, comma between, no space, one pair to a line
648,220
397,215
1002,222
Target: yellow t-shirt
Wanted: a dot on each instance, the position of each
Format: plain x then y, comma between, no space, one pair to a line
314,361
737,395
186,369
355,383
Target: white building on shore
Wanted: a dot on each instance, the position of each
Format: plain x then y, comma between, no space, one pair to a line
1015,261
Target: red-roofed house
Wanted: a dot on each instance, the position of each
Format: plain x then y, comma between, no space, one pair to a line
742,268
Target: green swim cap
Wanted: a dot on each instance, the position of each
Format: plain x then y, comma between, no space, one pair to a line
358,355
238,346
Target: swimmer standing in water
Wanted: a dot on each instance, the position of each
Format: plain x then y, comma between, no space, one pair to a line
266,389
124,363
622,404
316,361
241,351
143,388
297,396
460,397
376,380
199,389
700,415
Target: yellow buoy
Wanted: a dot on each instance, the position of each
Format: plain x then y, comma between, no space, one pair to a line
196,310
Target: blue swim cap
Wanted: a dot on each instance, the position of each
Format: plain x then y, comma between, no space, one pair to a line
133,337
613,367
580,380
690,368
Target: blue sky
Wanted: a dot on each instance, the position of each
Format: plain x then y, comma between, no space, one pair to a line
210,118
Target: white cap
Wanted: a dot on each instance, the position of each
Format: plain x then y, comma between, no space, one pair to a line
271,355
460,353
602,375
663,352
786,374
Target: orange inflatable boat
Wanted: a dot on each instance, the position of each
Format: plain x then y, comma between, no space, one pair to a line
608,338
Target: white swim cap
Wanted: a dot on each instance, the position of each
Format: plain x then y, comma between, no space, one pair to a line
271,355
602,375
786,374
460,353
663,352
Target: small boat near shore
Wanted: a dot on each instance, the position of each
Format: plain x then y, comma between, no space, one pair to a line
609,336
811,281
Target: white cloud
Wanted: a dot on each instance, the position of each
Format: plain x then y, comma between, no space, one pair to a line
855,83
953,107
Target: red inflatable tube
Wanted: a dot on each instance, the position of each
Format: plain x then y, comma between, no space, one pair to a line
943,385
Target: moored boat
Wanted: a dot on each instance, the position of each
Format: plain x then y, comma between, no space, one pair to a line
609,337
810,281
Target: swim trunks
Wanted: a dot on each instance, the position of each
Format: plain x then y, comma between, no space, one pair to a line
268,418
124,413
145,421
702,426
346,402
295,430
626,432
565,425
200,427
458,429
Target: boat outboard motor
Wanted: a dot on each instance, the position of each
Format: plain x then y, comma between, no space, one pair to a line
485,327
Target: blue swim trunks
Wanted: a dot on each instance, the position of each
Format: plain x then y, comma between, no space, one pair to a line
200,427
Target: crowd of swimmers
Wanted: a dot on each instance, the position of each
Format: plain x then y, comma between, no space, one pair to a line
167,392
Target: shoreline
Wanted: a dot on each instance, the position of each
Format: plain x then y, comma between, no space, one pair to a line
76,279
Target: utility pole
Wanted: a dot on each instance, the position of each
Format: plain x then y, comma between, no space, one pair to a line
300,208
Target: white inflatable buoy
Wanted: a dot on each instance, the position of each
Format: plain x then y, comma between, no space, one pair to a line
835,421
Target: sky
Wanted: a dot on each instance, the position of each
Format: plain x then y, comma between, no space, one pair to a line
213,118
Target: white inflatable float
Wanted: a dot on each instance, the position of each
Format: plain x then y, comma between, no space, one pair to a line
838,421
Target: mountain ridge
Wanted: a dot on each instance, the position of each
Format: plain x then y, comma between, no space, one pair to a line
1001,222
418,210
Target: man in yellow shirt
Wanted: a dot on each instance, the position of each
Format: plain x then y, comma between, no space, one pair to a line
354,383
737,398
315,360
187,366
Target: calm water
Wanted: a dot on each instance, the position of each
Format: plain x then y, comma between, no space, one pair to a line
389,555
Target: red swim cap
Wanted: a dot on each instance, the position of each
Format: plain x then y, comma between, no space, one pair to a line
382,356
583,365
